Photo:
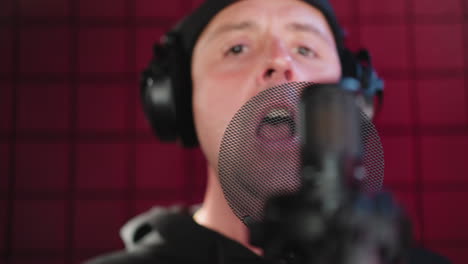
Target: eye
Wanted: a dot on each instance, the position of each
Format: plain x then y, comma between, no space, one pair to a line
236,49
305,51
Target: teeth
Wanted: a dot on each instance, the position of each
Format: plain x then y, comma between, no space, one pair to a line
278,112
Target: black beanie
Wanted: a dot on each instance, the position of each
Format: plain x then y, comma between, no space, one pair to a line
182,39
190,28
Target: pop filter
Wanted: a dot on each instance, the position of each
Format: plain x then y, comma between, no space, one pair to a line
260,152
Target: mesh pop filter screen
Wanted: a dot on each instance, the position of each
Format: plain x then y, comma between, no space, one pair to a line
260,153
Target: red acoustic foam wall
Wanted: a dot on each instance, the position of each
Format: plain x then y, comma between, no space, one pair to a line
78,159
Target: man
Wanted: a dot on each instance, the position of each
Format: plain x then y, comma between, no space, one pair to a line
247,49
244,48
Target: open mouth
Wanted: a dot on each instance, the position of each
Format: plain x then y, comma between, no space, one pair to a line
276,125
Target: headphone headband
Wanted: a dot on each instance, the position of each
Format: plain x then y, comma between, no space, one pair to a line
166,85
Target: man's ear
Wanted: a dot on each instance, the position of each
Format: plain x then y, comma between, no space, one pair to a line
366,105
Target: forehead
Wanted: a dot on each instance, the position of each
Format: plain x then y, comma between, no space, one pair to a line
269,12
242,8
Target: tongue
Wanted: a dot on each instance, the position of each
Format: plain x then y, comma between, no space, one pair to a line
274,132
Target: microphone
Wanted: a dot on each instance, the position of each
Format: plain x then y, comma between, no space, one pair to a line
331,147
329,220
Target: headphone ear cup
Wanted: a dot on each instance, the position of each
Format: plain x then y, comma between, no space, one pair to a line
157,96
166,93
158,104
359,74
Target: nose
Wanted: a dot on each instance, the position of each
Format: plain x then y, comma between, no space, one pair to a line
278,67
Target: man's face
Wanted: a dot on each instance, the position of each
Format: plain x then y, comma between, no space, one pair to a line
250,46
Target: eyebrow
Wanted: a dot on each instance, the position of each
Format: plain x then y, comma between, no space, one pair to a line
308,28
247,25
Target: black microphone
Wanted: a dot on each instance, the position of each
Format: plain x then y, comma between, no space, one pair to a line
329,219
331,147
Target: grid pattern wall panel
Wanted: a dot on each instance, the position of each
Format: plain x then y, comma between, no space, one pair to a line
77,158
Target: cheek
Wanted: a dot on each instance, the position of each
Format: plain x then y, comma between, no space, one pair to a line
216,100
217,96
333,72
222,87
329,72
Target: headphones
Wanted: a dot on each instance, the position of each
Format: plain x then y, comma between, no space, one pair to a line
166,87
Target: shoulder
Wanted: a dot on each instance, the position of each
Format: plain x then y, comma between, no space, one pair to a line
132,257
147,240
419,255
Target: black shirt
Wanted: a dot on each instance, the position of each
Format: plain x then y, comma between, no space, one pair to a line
171,236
